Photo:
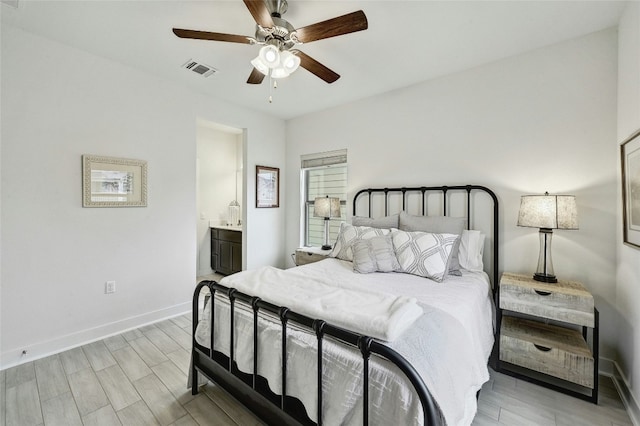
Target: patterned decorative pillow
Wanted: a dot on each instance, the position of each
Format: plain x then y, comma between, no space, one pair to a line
437,225
349,234
424,254
374,255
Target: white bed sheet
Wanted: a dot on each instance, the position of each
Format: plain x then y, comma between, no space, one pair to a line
449,346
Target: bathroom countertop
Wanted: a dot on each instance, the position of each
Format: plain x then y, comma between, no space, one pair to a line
227,227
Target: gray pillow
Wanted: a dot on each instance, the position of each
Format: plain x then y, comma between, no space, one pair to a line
432,224
386,222
454,263
348,235
437,225
374,255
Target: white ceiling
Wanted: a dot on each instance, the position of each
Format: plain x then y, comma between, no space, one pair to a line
407,41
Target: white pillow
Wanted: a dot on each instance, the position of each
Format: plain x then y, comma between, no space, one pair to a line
349,234
424,254
471,249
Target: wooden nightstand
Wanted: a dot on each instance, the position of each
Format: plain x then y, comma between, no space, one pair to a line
543,328
306,255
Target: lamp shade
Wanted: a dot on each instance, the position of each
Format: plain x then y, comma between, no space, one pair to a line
289,61
548,211
259,65
326,207
270,56
279,72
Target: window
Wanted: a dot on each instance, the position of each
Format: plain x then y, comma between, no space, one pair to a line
321,175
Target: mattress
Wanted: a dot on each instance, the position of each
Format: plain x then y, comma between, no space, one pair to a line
449,346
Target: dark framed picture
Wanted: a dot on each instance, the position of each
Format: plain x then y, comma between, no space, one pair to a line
630,156
267,187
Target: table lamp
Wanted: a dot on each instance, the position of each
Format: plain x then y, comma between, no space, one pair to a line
326,207
547,212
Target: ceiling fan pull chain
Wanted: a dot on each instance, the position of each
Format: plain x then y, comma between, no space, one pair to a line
270,86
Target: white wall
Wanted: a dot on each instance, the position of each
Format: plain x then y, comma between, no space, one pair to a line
219,153
59,103
628,266
541,121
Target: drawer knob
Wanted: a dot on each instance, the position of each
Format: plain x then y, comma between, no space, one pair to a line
543,293
542,348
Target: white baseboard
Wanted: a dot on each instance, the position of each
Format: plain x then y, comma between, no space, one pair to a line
605,367
39,350
611,368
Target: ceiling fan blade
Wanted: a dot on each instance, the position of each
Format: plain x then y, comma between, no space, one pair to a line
315,67
206,35
256,77
345,24
260,13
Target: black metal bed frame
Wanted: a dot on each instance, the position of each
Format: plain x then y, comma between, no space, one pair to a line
253,391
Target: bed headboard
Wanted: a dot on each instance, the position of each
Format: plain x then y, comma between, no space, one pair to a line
478,204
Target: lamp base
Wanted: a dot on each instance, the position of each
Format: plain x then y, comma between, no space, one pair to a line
545,278
544,271
326,245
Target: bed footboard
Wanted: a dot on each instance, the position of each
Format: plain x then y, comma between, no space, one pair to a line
252,389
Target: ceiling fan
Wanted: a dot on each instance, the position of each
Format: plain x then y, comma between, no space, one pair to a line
278,57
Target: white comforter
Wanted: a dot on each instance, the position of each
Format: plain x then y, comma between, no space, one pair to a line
371,313
449,346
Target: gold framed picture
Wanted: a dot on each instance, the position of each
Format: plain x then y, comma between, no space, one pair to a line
113,182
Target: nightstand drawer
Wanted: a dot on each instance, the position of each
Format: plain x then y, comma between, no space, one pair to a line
304,256
566,301
548,349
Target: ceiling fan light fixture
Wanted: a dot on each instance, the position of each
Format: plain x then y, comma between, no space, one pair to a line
277,36
279,72
270,56
289,61
259,65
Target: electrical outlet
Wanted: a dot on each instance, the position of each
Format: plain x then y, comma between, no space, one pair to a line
109,287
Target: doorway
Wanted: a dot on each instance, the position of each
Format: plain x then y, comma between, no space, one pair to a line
219,188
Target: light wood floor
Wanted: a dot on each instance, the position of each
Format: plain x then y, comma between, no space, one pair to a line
139,378
505,400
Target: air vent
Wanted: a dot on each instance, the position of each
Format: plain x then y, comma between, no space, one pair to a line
199,68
